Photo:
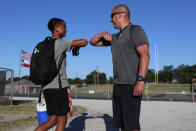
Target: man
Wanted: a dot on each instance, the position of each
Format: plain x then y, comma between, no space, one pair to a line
130,55
58,105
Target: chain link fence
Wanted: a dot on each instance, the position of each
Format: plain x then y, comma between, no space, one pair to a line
161,92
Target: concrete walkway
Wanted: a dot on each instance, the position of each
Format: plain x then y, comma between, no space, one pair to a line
155,116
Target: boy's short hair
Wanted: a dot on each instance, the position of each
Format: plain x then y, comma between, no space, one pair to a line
53,23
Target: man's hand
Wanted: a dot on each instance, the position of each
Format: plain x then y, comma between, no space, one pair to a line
98,39
139,88
107,36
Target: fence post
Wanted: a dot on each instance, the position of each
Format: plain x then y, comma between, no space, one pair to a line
12,86
193,93
108,92
147,92
76,92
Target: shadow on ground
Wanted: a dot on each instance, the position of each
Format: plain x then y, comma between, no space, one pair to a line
78,123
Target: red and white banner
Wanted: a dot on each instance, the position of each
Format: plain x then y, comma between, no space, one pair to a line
25,63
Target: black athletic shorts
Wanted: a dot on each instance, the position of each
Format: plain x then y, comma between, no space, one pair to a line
56,103
126,107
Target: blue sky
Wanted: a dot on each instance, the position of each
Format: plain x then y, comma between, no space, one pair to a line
170,24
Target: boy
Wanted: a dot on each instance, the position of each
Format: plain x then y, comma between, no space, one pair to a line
58,111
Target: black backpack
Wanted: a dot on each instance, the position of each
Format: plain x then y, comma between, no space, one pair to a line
43,68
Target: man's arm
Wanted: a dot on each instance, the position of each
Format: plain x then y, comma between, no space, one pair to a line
144,55
97,39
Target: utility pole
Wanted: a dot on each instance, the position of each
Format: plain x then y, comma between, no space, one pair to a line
76,86
95,78
156,65
155,75
76,73
97,75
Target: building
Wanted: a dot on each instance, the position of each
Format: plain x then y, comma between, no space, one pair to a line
23,88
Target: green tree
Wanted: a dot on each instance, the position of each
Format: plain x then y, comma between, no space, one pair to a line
184,73
26,77
71,81
150,76
167,74
102,78
96,78
111,80
77,80
90,78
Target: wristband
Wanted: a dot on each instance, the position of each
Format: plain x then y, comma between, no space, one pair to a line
140,78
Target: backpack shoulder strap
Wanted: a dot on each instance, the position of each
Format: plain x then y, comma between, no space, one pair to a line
61,60
59,67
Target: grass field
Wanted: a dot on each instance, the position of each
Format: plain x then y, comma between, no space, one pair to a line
168,88
22,108
25,109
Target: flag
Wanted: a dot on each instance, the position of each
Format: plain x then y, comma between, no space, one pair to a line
25,58
25,63
25,55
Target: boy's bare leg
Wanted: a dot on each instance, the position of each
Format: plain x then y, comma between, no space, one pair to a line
61,123
47,125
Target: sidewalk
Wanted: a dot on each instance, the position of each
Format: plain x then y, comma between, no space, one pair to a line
155,116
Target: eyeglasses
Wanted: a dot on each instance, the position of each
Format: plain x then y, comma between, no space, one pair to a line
112,15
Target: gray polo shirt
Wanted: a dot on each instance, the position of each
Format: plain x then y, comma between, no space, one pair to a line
60,46
124,54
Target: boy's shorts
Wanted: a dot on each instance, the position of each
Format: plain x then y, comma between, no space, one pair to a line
57,104
126,107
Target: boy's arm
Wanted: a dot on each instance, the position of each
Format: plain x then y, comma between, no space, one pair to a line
76,44
101,39
79,43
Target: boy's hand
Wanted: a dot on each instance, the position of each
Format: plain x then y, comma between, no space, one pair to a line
75,51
